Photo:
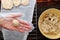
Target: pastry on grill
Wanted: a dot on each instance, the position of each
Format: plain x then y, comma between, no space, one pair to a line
7,4
49,23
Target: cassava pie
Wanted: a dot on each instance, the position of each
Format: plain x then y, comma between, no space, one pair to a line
49,23
7,4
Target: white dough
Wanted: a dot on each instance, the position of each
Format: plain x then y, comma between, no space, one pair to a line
25,2
7,4
16,23
17,2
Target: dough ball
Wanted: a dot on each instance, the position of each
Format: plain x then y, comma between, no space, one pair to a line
17,2
16,23
25,2
7,4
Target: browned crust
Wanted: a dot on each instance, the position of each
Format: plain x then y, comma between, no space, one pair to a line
53,10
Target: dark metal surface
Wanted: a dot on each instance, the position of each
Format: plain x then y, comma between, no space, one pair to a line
42,7
47,0
1,36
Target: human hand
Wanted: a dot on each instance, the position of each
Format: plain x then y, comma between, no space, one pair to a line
7,23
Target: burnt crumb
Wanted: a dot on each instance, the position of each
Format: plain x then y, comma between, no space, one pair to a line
49,18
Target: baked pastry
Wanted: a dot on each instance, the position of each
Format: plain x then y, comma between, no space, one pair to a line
25,2
17,2
7,4
49,23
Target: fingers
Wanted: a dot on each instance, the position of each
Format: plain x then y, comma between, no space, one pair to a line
23,22
14,16
20,29
5,18
24,27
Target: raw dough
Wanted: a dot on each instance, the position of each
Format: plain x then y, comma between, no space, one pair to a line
25,2
17,2
16,23
49,23
7,4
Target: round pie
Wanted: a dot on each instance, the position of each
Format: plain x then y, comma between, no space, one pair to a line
49,23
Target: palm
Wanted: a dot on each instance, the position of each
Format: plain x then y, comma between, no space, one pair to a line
9,25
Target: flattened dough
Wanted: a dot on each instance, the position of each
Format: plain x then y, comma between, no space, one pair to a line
25,2
7,4
17,2
54,11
